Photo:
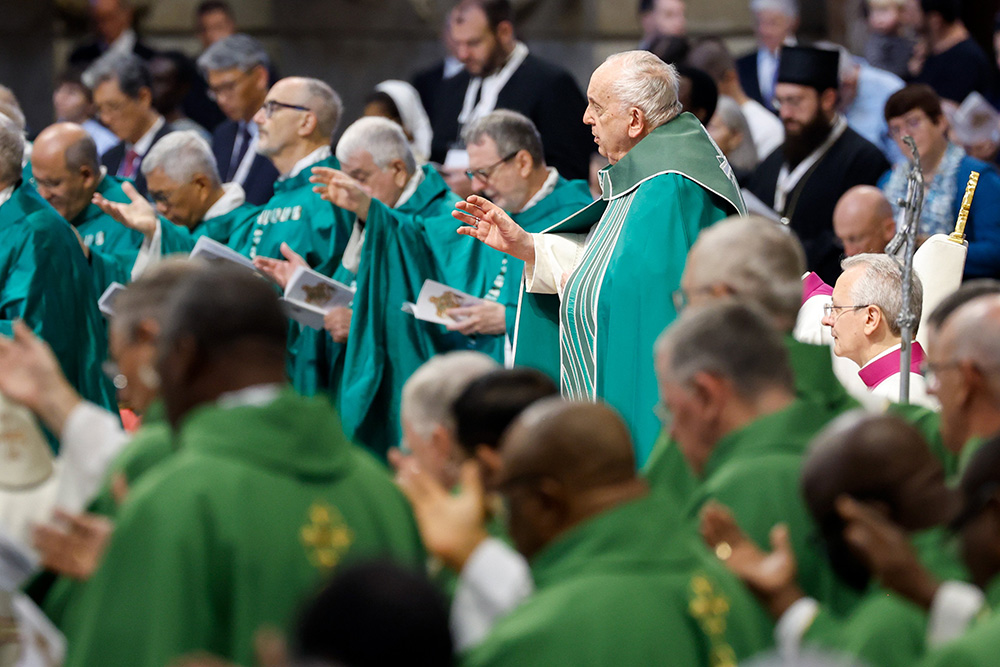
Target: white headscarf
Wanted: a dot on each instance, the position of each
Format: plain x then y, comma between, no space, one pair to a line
411,112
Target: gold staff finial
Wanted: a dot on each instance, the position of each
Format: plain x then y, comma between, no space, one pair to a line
963,213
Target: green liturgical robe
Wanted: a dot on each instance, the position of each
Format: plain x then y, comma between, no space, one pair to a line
598,338
979,646
815,382
771,448
102,232
385,345
567,198
255,510
237,223
299,217
45,281
631,587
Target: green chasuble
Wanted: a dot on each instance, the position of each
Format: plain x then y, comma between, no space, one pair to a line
886,629
237,223
598,339
45,281
296,215
102,232
255,510
385,345
567,198
979,646
815,382
754,471
631,587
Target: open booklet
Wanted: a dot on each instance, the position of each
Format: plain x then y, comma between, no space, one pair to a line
309,296
106,304
212,251
435,299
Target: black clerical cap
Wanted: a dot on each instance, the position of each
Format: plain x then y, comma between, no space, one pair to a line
808,66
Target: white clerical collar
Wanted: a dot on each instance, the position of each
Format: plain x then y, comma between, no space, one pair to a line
884,353
318,155
125,43
232,198
490,87
146,142
547,187
102,172
411,187
6,194
257,395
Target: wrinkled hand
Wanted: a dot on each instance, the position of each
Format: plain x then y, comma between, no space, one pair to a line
341,190
490,224
451,525
138,215
485,318
30,375
770,576
280,270
338,323
73,544
886,551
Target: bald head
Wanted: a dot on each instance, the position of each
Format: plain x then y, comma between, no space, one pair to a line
65,167
878,459
863,220
563,463
972,334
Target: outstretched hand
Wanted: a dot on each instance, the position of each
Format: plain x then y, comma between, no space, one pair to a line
138,214
281,270
341,190
490,224
771,576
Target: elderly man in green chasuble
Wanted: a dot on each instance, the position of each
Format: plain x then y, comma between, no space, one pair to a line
45,280
598,285
263,499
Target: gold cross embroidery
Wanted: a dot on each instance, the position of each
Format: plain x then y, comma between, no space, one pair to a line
710,608
327,536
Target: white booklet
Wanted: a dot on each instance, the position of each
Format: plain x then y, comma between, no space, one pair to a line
310,295
435,299
212,251
106,304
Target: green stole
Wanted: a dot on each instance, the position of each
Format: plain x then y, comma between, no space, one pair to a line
598,339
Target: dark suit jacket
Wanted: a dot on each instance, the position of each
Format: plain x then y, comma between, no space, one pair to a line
88,52
259,185
542,91
112,158
746,69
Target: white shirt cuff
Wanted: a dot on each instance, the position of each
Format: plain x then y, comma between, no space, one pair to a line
555,255
150,252
954,606
792,627
90,439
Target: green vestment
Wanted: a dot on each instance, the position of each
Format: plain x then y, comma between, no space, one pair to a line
567,198
754,471
598,339
45,281
254,511
979,646
102,232
296,215
630,587
237,223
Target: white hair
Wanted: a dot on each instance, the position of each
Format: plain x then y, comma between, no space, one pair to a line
182,155
237,51
430,392
646,82
381,137
881,285
744,156
789,8
11,151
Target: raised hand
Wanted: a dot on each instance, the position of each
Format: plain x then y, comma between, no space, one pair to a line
490,224
30,375
770,576
281,270
886,550
341,190
138,215
484,318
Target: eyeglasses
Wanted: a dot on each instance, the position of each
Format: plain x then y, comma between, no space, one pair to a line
115,374
829,308
486,173
270,106
225,88
682,299
792,102
932,372
899,127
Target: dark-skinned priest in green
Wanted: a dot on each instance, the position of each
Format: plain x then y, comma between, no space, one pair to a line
45,280
598,286
264,499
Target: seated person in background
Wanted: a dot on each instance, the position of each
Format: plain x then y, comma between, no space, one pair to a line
887,46
400,102
730,131
916,111
975,126
864,323
598,539
73,102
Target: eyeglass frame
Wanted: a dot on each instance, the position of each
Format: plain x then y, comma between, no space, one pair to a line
269,107
829,308
227,87
486,173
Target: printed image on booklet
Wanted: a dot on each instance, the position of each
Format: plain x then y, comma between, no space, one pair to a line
434,301
310,295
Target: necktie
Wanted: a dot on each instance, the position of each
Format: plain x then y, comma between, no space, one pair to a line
239,151
129,165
